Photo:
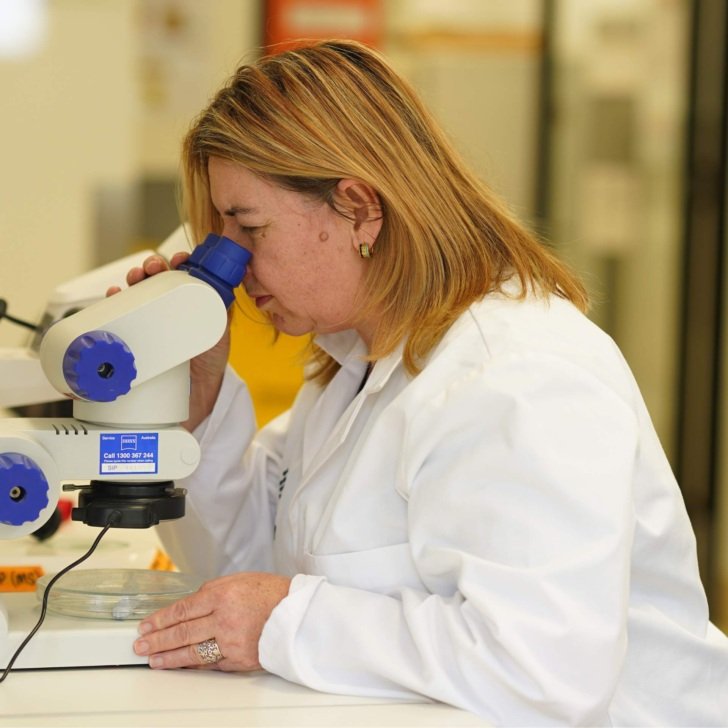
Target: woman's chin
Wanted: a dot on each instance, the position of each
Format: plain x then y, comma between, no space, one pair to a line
284,325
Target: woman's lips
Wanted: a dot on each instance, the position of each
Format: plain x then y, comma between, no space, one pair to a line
260,301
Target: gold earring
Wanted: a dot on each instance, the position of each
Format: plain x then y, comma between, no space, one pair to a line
365,251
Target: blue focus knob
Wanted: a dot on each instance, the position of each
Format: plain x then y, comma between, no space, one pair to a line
23,489
99,366
221,262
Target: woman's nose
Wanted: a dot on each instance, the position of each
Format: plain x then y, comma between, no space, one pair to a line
248,275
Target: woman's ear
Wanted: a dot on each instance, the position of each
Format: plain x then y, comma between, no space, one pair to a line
360,202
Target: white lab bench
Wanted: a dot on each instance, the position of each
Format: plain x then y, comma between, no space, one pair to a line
139,696
64,694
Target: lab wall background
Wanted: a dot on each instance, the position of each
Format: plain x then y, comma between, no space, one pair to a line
94,105
96,102
68,107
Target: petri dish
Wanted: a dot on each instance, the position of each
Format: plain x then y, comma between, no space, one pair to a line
116,594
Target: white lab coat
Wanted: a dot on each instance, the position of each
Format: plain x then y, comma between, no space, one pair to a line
502,532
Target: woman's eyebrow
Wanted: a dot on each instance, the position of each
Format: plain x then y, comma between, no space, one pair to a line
237,210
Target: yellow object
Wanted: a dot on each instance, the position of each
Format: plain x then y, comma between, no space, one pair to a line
162,562
272,367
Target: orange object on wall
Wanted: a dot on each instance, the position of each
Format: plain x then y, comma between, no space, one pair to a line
289,21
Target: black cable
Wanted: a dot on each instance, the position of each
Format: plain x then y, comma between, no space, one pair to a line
114,518
4,314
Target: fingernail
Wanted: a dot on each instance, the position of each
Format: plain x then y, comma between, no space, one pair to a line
144,628
141,647
155,661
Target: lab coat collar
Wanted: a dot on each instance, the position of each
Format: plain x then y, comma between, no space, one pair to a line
349,350
343,346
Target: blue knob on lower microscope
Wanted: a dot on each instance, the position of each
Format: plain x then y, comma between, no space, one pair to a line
23,489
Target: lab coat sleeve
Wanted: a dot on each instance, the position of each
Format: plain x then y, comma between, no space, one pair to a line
231,496
518,481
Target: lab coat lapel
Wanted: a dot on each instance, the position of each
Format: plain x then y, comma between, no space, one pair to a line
324,419
338,399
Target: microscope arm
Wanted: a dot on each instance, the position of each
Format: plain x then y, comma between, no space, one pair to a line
144,335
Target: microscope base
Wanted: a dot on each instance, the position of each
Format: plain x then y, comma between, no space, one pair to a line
64,641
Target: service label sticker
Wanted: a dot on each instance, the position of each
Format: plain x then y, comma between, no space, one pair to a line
128,453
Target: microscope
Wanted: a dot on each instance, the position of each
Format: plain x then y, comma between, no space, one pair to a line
124,361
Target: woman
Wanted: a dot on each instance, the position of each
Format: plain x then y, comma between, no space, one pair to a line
467,500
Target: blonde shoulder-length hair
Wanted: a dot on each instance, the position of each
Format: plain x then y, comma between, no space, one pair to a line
308,117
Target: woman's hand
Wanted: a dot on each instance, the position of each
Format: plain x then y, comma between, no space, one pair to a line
207,369
231,610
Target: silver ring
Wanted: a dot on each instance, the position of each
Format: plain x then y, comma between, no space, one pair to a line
209,652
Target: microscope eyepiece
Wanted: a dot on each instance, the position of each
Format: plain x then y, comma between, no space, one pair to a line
221,262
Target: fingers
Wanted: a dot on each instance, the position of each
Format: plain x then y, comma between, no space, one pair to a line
231,610
193,607
177,259
171,635
187,656
180,635
175,646
151,266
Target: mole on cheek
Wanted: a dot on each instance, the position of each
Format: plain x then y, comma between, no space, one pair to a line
323,236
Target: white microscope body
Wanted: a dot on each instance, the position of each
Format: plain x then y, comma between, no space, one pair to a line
125,362
136,436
